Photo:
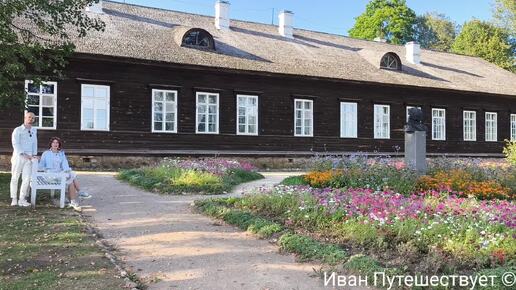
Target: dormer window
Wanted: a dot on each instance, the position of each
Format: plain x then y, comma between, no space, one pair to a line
390,61
198,38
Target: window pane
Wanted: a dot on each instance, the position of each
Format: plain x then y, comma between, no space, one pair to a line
101,92
211,119
170,107
47,89
34,110
241,128
100,104
201,109
252,129
252,120
170,117
211,128
158,117
158,96
213,99
201,127
241,120
87,103
299,105
158,126
158,107
32,100
48,112
212,109
169,126
241,111
48,101
201,98
47,122
308,105
101,119
87,92
32,88
88,115
202,118
298,130
171,97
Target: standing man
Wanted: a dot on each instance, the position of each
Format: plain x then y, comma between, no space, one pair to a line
25,146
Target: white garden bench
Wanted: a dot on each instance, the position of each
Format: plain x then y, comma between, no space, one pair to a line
47,180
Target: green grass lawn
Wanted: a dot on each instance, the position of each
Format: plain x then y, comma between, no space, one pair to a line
48,248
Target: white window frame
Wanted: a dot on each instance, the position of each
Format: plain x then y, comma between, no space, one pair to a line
351,121
469,122
40,106
382,118
443,124
303,110
108,108
410,107
206,113
513,127
165,112
246,124
494,131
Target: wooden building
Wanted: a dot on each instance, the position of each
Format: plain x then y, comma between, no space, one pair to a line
161,82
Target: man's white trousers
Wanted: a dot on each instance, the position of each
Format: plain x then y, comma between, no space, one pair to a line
20,166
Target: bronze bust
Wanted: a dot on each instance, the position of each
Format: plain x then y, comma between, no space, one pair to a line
415,121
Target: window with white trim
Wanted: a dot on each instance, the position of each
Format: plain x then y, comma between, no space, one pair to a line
164,111
438,124
303,117
247,115
410,107
491,130
513,127
207,117
470,125
95,107
348,120
382,123
42,101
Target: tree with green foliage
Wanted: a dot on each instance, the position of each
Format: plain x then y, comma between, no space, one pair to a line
435,31
36,39
485,40
504,15
392,20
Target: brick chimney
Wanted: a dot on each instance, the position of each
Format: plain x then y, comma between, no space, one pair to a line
222,15
286,23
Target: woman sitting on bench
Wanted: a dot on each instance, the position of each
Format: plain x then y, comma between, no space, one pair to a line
54,160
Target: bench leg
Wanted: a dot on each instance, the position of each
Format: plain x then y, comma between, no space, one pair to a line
33,196
62,198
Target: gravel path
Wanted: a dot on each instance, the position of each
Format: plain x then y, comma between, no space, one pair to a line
162,240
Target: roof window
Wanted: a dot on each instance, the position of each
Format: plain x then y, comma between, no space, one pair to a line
390,61
198,38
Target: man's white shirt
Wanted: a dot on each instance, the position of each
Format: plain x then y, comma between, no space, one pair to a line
25,140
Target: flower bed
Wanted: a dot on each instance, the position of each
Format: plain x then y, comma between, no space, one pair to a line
428,233
210,176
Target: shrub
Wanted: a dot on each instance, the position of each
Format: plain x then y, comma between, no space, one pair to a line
295,180
510,151
204,176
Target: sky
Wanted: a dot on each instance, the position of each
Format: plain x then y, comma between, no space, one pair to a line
331,16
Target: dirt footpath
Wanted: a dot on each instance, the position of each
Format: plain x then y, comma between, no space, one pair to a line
162,240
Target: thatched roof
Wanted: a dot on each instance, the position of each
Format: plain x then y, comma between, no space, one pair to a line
155,34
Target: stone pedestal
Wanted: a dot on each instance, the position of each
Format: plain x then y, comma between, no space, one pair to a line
415,151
